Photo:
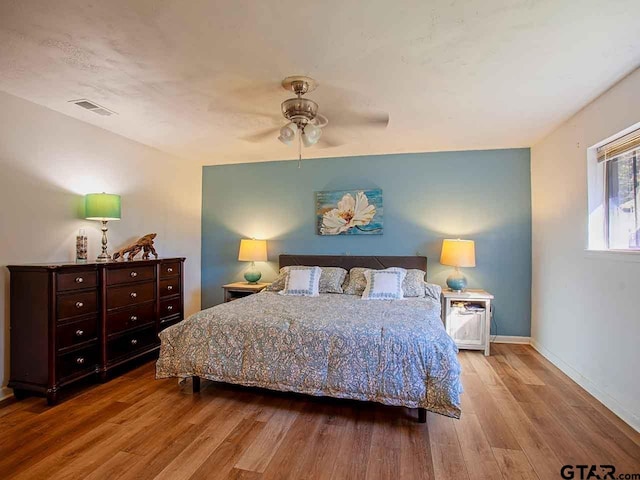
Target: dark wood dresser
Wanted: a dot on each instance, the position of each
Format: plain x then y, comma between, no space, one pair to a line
70,321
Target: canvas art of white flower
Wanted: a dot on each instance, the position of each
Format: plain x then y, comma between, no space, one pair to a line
357,212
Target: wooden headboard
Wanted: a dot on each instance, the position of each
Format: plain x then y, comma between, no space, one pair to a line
348,261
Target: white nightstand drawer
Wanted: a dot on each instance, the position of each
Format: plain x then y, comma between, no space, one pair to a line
466,327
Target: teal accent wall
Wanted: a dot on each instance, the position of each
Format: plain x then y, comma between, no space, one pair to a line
479,195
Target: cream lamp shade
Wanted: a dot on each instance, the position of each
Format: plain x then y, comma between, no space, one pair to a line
252,251
458,253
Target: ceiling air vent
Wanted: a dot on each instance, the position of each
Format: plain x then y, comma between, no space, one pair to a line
93,107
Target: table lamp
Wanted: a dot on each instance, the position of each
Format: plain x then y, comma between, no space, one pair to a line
458,253
252,250
102,207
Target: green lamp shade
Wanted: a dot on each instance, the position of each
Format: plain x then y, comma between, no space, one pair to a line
102,206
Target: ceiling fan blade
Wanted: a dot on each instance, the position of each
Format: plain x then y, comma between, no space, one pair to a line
261,136
328,141
249,97
241,110
347,119
254,90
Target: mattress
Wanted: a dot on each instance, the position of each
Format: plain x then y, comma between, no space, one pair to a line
395,352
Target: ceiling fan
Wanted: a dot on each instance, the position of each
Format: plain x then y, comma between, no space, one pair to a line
306,124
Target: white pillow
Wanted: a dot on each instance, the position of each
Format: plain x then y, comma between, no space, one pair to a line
302,282
384,284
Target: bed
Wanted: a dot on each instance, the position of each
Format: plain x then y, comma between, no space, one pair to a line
394,352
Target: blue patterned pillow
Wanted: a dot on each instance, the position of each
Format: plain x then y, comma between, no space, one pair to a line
432,290
413,284
384,284
302,282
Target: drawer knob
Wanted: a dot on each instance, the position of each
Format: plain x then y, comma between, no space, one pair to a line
133,274
169,287
79,279
169,270
79,333
134,294
80,360
134,342
79,304
133,318
169,307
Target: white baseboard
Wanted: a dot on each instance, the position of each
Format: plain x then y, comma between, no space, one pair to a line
511,339
5,393
603,397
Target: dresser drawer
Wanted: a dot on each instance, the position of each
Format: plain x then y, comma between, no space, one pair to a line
170,307
130,294
78,362
77,280
169,321
170,269
135,273
74,304
169,286
131,343
131,317
71,334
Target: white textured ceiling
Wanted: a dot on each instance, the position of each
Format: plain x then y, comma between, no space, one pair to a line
453,75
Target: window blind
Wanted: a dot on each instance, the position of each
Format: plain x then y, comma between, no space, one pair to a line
626,143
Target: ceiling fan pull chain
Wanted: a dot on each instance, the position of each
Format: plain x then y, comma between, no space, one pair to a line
299,150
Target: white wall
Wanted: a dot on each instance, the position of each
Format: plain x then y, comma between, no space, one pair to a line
586,309
48,161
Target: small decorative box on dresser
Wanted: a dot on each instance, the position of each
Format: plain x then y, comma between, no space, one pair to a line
69,321
467,318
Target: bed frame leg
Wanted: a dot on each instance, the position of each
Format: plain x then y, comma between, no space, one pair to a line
196,384
422,415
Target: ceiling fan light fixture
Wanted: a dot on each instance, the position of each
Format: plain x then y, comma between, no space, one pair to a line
299,109
307,124
311,134
288,133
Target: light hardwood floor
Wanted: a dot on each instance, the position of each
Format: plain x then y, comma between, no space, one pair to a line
522,418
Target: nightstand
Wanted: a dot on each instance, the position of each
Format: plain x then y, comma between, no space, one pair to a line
467,318
233,291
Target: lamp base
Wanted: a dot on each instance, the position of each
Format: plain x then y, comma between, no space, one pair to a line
103,257
252,275
457,282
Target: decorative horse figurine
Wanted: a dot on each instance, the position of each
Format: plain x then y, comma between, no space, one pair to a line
142,244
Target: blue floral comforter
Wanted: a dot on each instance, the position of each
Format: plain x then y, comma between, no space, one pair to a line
394,352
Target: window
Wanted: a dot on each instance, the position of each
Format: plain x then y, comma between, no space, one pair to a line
620,164
623,225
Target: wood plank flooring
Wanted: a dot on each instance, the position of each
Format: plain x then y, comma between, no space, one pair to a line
522,419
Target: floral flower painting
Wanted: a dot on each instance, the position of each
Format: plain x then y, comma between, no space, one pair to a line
349,212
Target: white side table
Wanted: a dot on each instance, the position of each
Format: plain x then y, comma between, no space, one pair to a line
467,318
233,291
